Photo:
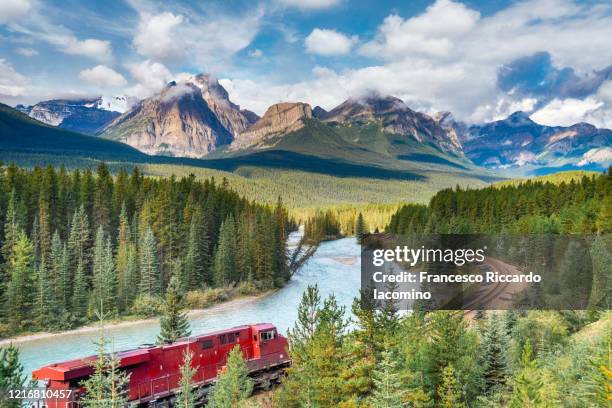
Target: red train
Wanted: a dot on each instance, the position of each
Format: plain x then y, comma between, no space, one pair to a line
154,370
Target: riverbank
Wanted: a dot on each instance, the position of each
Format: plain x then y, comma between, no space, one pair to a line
90,328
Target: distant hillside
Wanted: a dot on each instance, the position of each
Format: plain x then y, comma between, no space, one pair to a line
555,178
21,133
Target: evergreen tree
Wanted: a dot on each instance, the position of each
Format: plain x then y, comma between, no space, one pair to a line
124,248
388,390
225,257
527,382
22,286
104,292
449,394
11,374
173,323
79,241
360,228
493,357
187,396
46,310
80,295
149,268
197,260
11,233
44,229
233,385
107,386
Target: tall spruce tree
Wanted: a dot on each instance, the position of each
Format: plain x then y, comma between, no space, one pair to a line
46,306
22,286
173,323
360,227
225,257
107,387
493,358
187,396
149,268
80,295
233,385
104,292
527,384
11,374
388,388
197,260
449,392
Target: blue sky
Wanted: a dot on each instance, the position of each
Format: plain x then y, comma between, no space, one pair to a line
480,60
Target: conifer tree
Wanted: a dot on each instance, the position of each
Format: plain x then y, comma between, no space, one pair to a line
493,357
11,374
225,257
187,396
22,286
388,390
360,227
46,310
80,295
149,267
124,247
107,386
44,229
527,382
601,288
233,385
197,261
173,323
104,292
79,240
11,233
449,394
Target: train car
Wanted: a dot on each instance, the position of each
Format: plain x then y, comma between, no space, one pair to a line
154,371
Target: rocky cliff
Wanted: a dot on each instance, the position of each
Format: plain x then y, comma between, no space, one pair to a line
177,122
279,119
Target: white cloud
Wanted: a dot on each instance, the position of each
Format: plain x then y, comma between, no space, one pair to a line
566,112
12,83
257,53
26,52
90,47
12,10
311,4
150,77
328,42
155,37
102,76
447,58
208,41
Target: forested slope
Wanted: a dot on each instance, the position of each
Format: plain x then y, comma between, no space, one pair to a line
75,242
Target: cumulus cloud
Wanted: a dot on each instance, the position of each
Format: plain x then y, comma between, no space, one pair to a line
12,83
96,49
328,42
449,56
156,34
13,10
311,4
566,112
208,41
178,91
150,77
102,76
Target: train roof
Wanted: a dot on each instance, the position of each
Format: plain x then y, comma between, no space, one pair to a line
77,368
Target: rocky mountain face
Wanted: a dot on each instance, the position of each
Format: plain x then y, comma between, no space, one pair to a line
88,116
279,119
191,119
395,117
518,141
217,98
177,122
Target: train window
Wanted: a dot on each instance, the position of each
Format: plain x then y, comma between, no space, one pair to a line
222,339
267,335
207,344
237,334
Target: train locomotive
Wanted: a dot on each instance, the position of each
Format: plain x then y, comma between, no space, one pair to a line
154,370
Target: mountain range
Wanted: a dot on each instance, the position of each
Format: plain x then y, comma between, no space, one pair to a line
195,118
